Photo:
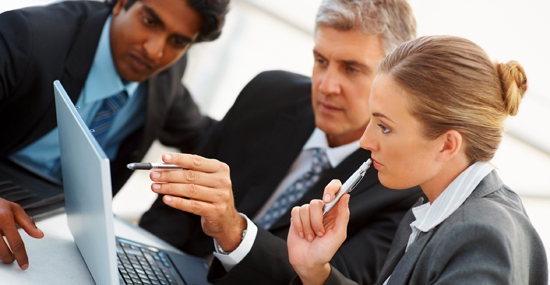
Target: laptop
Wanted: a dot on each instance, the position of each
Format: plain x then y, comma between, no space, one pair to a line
88,203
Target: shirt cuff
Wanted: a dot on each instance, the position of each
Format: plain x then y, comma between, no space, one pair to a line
233,258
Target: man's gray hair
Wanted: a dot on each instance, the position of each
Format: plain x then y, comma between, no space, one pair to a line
393,20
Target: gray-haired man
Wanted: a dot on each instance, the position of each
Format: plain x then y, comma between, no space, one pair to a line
284,139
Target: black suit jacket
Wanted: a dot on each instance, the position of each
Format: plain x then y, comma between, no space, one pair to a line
259,138
41,44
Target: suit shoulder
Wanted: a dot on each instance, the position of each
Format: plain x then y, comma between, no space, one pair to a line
275,88
276,77
495,215
57,12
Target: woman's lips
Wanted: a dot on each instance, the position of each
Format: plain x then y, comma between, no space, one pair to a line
376,164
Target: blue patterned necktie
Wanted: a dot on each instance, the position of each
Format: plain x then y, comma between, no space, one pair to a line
106,115
293,193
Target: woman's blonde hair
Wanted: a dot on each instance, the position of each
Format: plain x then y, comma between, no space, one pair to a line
455,86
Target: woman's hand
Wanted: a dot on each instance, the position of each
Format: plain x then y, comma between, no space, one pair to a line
313,239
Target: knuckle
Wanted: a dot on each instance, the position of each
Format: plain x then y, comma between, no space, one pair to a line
192,190
195,205
191,175
224,167
17,245
197,160
6,256
30,221
222,195
224,182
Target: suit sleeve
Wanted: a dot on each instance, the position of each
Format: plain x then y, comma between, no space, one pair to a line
15,48
360,258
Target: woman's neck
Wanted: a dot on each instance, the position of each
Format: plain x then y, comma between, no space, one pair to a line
448,172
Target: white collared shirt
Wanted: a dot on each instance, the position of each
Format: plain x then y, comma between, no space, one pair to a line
429,216
301,165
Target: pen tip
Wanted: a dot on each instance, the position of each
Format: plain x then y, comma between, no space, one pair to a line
131,166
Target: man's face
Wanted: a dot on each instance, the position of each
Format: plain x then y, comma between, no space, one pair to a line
151,35
345,67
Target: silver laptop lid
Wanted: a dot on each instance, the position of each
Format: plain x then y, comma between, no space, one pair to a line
87,187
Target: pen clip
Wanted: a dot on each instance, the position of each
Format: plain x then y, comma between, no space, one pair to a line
356,183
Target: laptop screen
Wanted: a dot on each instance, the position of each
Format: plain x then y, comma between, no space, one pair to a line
87,186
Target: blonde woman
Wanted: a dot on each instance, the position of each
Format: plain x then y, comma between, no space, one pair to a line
437,109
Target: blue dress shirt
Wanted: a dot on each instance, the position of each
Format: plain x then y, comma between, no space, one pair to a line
43,156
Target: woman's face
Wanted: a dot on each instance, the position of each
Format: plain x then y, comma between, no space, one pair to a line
402,155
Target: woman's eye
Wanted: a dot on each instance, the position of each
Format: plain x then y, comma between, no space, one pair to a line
384,129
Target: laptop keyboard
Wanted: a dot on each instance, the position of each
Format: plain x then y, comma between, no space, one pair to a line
145,265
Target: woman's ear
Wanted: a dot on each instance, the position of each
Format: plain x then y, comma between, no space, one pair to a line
450,145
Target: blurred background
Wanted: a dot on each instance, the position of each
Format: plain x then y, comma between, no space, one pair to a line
264,35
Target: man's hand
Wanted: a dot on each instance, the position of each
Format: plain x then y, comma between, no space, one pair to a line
202,188
10,215
313,239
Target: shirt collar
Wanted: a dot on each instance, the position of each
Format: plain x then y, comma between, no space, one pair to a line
335,155
103,80
429,216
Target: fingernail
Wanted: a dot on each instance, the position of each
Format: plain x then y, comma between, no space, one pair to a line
301,234
156,186
39,230
320,234
155,174
167,198
309,238
24,266
167,157
327,198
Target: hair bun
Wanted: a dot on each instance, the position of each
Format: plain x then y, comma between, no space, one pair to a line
514,84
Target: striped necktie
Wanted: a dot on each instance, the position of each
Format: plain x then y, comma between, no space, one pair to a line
106,115
293,193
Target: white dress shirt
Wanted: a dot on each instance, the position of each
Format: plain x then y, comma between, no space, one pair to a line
429,216
301,165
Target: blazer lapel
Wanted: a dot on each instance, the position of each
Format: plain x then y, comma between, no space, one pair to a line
399,245
82,53
402,272
283,146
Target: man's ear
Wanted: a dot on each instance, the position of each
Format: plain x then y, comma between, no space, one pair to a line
119,6
450,144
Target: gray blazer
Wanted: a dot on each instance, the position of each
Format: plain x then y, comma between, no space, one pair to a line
488,240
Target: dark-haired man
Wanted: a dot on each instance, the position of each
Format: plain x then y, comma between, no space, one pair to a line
125,59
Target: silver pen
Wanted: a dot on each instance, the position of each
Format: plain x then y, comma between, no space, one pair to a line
151,165
348,186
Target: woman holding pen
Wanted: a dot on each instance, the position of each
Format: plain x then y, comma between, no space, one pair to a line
437,109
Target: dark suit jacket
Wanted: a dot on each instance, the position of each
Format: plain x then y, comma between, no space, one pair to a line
488,240
41,44
259,138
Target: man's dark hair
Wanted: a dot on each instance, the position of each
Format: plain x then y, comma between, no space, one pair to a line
212,11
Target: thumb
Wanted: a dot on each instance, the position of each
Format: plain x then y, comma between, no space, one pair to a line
331,189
